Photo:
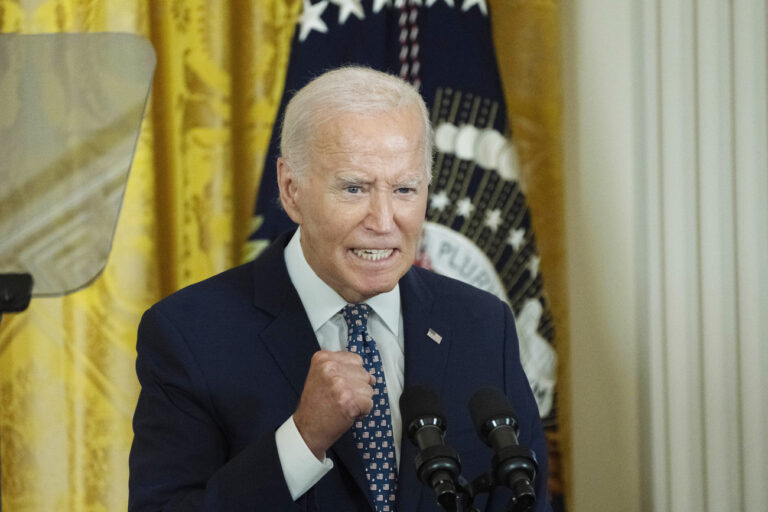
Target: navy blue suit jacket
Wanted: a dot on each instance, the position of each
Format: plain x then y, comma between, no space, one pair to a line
222,364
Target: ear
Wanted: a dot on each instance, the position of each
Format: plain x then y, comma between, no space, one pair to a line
289,186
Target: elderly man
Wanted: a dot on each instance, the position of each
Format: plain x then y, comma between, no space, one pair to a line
275,385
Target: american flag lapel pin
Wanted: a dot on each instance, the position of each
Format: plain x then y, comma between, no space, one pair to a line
434,336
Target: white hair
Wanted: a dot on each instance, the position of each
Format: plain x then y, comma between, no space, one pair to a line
351,89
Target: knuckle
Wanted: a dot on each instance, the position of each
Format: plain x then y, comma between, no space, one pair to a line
319,357
329,369
338,384
351,357
344,397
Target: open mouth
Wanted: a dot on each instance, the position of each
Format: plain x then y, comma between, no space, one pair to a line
373,254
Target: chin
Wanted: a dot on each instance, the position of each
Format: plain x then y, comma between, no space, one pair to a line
369,284
374,288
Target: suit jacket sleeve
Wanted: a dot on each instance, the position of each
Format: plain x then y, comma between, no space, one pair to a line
180,458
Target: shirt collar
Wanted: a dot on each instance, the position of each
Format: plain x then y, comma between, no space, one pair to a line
321,301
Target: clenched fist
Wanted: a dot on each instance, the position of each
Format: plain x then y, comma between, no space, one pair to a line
337,391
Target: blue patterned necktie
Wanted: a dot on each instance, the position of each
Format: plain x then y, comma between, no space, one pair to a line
373,434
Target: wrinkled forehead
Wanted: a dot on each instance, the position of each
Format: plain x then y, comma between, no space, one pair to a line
386,134
406,119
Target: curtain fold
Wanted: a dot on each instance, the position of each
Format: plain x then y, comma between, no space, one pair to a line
67,380
527,39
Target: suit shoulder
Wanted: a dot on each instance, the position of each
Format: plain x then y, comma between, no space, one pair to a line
232,285
230,295
458,291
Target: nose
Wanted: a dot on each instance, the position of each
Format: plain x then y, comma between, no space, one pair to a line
381,214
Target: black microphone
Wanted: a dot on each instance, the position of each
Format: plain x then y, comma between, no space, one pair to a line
437,465
514,466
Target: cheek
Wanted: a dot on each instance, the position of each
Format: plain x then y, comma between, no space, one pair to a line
325,215
343,218
412,219
336,231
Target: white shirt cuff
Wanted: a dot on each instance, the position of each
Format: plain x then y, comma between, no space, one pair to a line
301,468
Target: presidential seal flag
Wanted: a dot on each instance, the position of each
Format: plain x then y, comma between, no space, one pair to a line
478,227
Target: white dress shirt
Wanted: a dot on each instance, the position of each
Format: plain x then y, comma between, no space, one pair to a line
323,305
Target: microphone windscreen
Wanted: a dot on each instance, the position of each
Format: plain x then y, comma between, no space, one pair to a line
418,401
488,403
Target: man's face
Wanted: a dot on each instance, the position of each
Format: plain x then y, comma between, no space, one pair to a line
362,203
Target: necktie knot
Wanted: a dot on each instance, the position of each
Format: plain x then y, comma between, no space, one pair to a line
358,339
356,315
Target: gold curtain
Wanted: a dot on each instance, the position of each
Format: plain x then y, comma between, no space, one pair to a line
67,381
526,34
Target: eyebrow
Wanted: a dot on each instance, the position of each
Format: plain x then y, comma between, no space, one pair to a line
411,182
351,181
346,181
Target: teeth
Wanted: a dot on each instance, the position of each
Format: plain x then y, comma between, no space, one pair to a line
373,254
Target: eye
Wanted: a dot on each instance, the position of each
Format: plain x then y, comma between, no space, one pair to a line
405,190
353,189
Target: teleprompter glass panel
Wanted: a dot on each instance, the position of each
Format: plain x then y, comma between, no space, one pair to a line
71,107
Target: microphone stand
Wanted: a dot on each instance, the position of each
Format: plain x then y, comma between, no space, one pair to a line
438,466
513,467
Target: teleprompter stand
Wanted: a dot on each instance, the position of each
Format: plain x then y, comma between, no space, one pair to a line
71,107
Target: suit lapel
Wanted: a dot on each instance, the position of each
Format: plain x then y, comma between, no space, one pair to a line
289,337
290,340
425,363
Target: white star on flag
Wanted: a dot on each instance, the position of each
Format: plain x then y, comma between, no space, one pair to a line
440,200
516,237
468,4
379,4
430,3
493,219
464,207
533,266
310,19
347,7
